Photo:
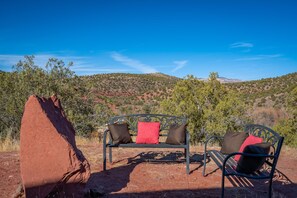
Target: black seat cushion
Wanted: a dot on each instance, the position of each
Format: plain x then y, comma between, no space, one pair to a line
176,134
249,165
120,133
232,142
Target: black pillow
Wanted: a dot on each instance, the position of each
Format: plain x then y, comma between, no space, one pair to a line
249,165
232,142
120,133
176,134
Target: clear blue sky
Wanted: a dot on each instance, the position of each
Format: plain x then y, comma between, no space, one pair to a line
243,39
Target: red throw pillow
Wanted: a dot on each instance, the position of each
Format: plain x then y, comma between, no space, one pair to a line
248,141
148,133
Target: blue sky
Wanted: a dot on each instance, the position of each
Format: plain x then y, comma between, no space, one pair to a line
242,39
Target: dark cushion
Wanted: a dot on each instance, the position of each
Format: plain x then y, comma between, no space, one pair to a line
251,164
176,134
232,142
120,133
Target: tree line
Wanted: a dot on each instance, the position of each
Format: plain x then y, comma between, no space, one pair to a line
211,107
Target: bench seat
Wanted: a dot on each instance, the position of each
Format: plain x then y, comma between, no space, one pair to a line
160,145
132,120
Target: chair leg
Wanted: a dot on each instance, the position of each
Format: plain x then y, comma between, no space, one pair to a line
110,154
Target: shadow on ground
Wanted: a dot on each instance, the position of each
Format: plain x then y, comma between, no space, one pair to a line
137,177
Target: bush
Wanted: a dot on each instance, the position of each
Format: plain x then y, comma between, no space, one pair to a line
29,79
207,105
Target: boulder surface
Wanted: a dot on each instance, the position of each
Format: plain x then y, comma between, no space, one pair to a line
51,164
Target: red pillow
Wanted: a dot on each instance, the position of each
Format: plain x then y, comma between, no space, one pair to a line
248,141
148,133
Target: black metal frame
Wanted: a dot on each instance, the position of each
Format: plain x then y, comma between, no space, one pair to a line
165,122
227,164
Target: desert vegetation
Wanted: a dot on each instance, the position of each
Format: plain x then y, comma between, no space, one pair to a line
89,101
208,106
57,78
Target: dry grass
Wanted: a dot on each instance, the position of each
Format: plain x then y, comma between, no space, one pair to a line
82,141
9,144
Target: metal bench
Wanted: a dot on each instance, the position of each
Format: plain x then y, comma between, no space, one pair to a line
165,122
227,164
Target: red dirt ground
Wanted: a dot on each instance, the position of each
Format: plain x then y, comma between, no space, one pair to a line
151,173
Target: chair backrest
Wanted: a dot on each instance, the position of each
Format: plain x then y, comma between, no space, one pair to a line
132,120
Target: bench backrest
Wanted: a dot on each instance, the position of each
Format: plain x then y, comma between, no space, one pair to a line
165,121
268,135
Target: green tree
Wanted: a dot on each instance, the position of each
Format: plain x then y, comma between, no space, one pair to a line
207,105
29,79
147,108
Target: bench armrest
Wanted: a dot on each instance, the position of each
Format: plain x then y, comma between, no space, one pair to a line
105,133
187,137
243,154
246,154
215,137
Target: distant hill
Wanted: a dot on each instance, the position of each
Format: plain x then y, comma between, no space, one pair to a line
130,93
228,80
269,92
136,93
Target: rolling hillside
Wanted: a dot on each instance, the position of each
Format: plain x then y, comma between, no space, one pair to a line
268,92
266,98
130,93
139,93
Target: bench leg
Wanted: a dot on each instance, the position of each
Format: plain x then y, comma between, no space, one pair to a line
110,155
223,184
187,152
204,163
270,188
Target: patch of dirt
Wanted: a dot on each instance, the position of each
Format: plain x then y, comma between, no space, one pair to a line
152,173
10,177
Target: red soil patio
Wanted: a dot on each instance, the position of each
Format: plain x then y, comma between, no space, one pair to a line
151,173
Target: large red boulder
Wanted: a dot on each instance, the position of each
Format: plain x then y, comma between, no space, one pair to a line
51,164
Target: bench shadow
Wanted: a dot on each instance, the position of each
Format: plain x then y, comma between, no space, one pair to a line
110,183
261,185
174,157
116,178
282,186
230,192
